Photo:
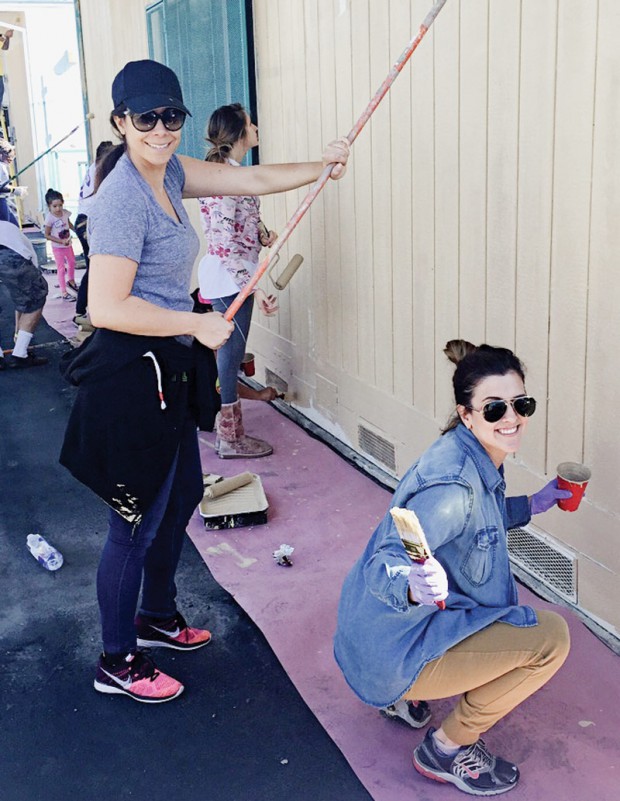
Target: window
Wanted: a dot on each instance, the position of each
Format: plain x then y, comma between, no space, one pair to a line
208,43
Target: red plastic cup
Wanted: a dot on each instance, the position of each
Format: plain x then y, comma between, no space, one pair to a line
247,364
572,476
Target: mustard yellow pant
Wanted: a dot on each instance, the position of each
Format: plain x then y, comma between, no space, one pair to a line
495,670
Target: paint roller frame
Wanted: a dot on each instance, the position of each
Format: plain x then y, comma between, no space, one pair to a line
287,273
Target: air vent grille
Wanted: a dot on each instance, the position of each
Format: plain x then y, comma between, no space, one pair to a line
373,444
541,557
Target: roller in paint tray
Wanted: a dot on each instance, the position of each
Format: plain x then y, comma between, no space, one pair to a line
226,485
235,502
282,281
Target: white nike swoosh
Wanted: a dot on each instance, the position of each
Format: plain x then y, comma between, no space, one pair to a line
124,683
172,634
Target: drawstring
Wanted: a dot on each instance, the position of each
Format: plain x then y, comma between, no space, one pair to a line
236,324
160,390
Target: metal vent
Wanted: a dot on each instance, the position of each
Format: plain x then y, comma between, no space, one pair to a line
274,380
543,558
373,444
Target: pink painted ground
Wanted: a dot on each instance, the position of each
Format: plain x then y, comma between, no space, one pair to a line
59,313
566,738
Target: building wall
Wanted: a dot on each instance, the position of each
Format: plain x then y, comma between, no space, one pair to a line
481,203
113,33
13,65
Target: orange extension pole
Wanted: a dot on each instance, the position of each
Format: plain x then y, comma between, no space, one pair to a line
323,178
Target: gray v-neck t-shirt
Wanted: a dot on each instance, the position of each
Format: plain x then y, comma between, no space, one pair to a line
127,221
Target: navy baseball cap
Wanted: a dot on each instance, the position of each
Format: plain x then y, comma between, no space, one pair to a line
144,85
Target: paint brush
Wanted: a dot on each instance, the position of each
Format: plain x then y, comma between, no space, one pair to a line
412,537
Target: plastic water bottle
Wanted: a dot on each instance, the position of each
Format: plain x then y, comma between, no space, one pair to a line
43,552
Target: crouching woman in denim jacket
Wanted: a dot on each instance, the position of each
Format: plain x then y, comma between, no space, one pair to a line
393,642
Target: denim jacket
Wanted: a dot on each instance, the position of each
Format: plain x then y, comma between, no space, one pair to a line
383,641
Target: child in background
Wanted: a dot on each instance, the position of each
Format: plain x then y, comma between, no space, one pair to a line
58,229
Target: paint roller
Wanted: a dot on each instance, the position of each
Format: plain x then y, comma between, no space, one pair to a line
351,136
287,273
88,117
227,485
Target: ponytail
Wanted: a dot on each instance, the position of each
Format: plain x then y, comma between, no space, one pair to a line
107,162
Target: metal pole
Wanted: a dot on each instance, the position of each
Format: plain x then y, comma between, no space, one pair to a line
85,103
45,152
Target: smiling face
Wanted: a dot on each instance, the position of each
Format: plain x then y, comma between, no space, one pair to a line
503,437
151,149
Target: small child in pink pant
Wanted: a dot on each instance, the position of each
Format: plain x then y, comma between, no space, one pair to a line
58,229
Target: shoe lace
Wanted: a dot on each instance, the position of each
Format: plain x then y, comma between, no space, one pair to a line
143,667
475,759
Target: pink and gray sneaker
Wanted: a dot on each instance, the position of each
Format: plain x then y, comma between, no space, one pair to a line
473,769
135,675
171,633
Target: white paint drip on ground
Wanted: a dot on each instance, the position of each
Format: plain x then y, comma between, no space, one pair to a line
225,549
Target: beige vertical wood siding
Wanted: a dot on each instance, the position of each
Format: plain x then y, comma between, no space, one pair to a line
482,202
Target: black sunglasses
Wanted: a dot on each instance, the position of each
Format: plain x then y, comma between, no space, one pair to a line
495,410
172,118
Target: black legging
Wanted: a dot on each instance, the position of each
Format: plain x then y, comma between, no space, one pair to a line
82,296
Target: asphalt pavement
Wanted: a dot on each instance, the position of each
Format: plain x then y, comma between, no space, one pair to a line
239,732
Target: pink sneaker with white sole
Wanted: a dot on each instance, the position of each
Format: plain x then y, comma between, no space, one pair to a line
171,633
135,675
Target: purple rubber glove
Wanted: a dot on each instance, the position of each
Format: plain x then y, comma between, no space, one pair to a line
547,497
428,582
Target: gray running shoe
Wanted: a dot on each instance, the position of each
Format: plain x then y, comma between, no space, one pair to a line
472,769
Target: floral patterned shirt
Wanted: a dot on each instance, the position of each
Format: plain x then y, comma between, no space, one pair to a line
231,226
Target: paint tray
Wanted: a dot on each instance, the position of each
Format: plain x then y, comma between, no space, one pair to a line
241,507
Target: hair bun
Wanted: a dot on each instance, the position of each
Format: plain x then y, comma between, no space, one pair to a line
457,349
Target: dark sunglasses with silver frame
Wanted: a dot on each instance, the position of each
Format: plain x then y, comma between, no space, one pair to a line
494,410
172,118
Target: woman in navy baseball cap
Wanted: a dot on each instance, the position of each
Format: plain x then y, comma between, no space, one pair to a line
132,435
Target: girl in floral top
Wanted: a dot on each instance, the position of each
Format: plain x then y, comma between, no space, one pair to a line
235,235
